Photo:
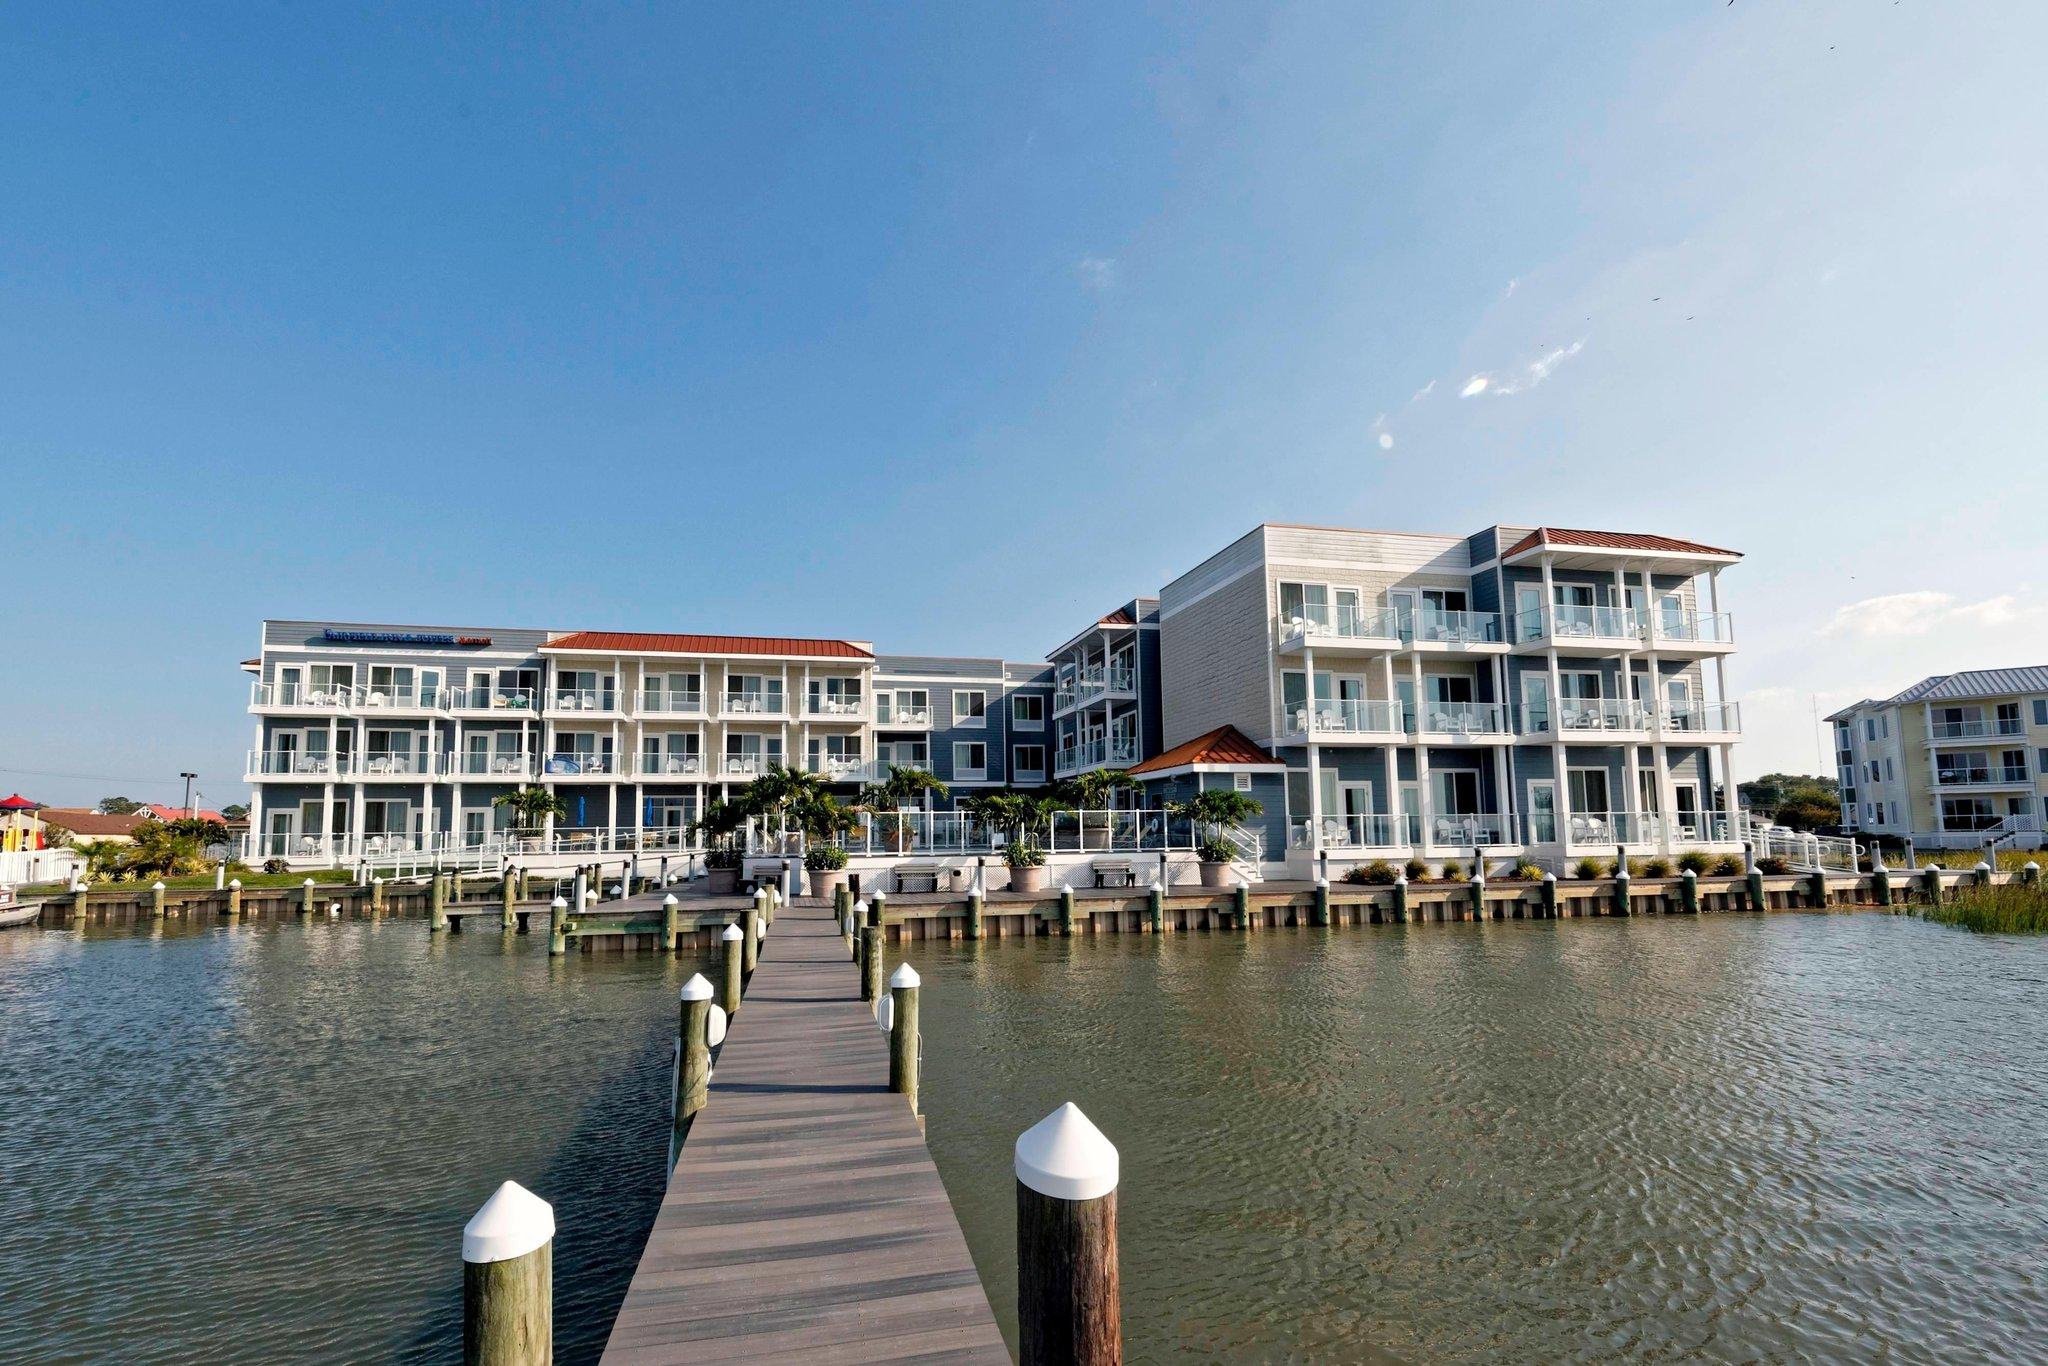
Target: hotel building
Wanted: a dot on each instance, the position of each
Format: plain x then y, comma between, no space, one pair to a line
1518,692
1956,761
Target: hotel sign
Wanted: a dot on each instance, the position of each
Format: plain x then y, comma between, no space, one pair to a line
400,638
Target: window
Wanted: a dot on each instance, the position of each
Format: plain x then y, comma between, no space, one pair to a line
1243,781
970,760
1884,725
2041,711
1889,771
1028,760
1027,711
2041,759
1870,728
970,707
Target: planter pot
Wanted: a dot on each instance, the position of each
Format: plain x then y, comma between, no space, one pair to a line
723,880
1213,874
826,882
1028,879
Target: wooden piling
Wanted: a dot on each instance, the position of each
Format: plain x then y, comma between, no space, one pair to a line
671,924
235,899
1817,889
693,1062
1548,895
974,913
306,898
1983,875
78,895
730,955
1753,883
1881,883
1932,884
376,895
1068,1293
878,906
437,905
1400,910
903,1033
1241,906
558,927
1155,908
870,964
508,1281
1622,904
1689,891
750,935
508,900
1066,910
856,917
156,900
2030,874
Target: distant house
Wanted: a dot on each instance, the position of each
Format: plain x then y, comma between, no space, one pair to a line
179,813
83,823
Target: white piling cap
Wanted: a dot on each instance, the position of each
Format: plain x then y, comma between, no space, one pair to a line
1686,873
377,879
560,903
334,909
590,898
904,976
860,907
235,883
157,886
2032,867
761,896
309,882
1066,888
733,934
1549,876
669,900
881,893
1322,881
512,1223
1982,867
1401,880
1066,1157
697,988
617,890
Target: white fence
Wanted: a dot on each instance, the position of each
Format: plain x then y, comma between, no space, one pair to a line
37,865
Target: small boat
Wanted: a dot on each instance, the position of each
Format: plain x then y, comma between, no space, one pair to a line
12,912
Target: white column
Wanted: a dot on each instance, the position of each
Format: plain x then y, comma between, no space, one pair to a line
1315,772
1503,800
1560,786
611,813
1423,803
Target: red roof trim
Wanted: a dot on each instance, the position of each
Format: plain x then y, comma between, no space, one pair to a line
1566,537
1221,747
630,642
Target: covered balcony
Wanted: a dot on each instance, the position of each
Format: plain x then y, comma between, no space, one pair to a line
669,702
1094,683
755,704
1341,721
579,764
599,701
903,709
319,766
485,764
1115,751
1701,720
1339,629
1577,629
1432,630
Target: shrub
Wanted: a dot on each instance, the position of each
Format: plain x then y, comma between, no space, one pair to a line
1693,861
1453,871
1727,866
1213,850
1587,869
825,858
2011,909
1657,867
1018,854
1527,872
1378,873
723,858
276,865
1773,865
1416,870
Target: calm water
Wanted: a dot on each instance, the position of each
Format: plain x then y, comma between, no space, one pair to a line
1794,1138
261,1143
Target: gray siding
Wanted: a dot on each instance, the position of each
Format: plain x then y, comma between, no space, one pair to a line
1214,656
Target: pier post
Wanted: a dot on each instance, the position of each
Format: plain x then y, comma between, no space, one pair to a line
870,964
156,900
377,894
1931,880
525,883
508,893
1621,898
1479,889
558,927
730,954
1881,880
1066,910
1155,908
693,1057
1983,878
750,934
579,889
1320,915
2030,874
1817,888
1401,899
1069,1306
1548,893
856,917
508,1293
671,923
975,908
903,1034
235,899
1689,892
878,907
437,905
306,898
1241,906
78,895
788,879
1753,880
842,901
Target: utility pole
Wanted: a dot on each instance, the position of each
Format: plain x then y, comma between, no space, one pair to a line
190,810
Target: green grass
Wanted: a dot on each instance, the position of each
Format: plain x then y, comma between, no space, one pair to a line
1963,860
2011,909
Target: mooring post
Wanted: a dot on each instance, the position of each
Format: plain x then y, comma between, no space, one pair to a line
156,900
1401,899
750,934
1066,910
1817,888
558,926
671,923
730,954
1689,891
377,894
235,899
1241,905
78,895
1548,894
508,1294
1754,881
870,964
1621,897
1931,880
1983,878
856,917
903,1035
788,879
437,905
306,898
1479,889
693,1063
1069,1308
2030,874
878,907
525,883
1155,908
977,901
508,895
1881,881
1319,914
579,890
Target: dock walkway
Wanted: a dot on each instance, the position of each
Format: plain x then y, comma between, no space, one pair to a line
804,1219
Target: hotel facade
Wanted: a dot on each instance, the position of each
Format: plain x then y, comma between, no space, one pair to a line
1520,692
1957,761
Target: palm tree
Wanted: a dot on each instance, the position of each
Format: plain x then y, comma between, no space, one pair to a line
903,787
101,857
1092,790
1218,808
531,807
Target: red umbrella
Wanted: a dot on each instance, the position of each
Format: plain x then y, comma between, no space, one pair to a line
19,803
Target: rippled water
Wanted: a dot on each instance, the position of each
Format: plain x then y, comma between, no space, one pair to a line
1727,1137
261,1143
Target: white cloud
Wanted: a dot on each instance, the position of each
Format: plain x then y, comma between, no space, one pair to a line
1097,272
1474,386
1509,292
1894,616
1521,381
1386,441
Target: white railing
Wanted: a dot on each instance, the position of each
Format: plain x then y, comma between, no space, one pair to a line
397,764
505,766
604,700
839,708
1805,851
1982,775
1577,623
1462,718
888,712
1972,730
293,763
843,768
669,766
1437,627
1602,713
516,700
1603,828
669,702
1104,752
1343,623
1348,717
1467,830
753,704
1083,686
37,865
1713,718
2013,828
1341,833
745,765
574,765
960,832
300,697
1692,628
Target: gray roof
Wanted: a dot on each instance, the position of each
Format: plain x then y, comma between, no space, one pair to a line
1976,683
1849,711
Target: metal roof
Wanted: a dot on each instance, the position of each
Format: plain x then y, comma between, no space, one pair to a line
1975,683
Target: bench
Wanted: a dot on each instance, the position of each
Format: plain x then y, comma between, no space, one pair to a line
1114,872
917,877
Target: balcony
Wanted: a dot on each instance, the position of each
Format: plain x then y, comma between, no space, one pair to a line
897,715
1691,634
585,701
1431,631
1463,722
1344,834
1701,719
575,765
299,699
843,768
1584,630
668,702
1601,720
503,767
828,707
1940,732
1090,685
294,764
754,706
399,764
498,701
1110,752
1355,720
746,767
1983,775
1338,630
668,766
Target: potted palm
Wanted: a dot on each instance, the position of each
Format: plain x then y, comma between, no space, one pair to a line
904,787
531,807
826,863
719,823
722,869
1215,853
1215,811
1027,866
1094,790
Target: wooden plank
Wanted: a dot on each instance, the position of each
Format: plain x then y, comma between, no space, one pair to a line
805,1219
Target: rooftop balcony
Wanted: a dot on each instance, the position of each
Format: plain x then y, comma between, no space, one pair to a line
1107,752
1090,685
1611,630
1701,720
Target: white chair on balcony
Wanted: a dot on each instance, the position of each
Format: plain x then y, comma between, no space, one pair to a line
1336,833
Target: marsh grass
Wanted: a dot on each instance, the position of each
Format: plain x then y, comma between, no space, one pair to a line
2011,909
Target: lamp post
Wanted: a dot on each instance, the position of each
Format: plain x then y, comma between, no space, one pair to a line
188,777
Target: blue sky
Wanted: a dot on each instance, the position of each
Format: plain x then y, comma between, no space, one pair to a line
950,326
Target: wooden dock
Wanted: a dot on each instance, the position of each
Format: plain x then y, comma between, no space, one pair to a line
804,1219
